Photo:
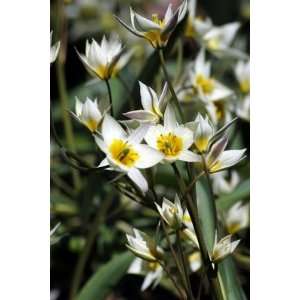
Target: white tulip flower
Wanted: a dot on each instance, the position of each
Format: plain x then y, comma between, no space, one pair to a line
54,49
88,114
189,232
224,185
195,261
237,217
217,159
105,60
143,246
171,139
172,213
152,105
223,248
208,88
196,25
218,41
125,153
157,31
242,74
152,271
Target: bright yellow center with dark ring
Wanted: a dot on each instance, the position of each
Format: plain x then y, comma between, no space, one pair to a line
123,153
169,144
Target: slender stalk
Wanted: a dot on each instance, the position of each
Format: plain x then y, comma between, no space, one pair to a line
184,264
110,97
182,275
182,295
127,89
174,97
87,249
211,274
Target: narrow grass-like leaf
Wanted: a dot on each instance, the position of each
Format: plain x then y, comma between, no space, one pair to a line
106,278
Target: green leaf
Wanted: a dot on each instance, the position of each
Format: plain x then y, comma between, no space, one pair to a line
229,277
106,278
241,192
205,211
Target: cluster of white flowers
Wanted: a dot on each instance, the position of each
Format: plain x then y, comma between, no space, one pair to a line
160,138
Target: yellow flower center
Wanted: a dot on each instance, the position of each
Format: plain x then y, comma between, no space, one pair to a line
245,86
157,20
220,110
190,30
102,72
202,143
206,84
186,218
123,153
91,124
169,144
153,266
173,210
213,44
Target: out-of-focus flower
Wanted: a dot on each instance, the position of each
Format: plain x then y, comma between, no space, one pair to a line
157,31
242,74
88,114
217,159
223,248
153,106
189,232
218,41
208,88
222,184
143,246
54,49
195,261
54,239
171,139
196,25
105,60
237,217
152,271
125,153
172,213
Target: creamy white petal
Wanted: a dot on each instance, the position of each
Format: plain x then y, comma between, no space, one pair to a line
185,134
104,163
162,101
78,106
189,156
216,150
145,24
148,97
111,129
170,122
230,157
142,116
138,178
148,156
100,143
137,135
136,266
168,14
152,135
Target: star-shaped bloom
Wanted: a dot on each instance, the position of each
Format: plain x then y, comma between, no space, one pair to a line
157,31
218,41
217,159
172,213
242,74
124,152
153,106
171,139
143,246
237,217
105,60
223,248
54,49
152,271
208,88
88,114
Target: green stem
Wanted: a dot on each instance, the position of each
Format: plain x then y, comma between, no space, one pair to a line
202,244
167,77
99,218
110,97
182,275
63,97
183,296
184,264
